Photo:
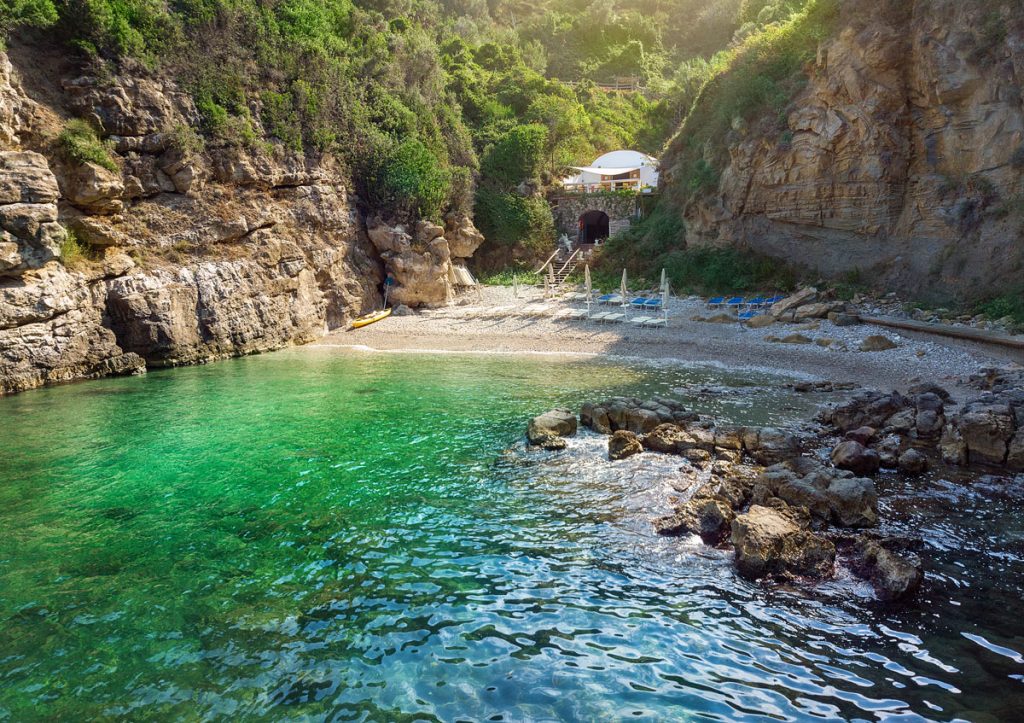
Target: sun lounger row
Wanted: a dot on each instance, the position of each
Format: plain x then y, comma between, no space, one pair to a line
738,302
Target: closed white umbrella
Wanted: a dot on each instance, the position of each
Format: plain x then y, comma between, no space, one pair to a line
664,296
588,286
624,290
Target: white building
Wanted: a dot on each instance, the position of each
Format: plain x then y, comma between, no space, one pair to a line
614,171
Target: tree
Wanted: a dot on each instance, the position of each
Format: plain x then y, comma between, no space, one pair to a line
567,123
33,13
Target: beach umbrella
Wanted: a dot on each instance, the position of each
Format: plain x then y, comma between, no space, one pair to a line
664,296
588,285
624,290
551,279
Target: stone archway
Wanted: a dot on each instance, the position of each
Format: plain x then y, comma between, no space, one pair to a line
569,209
593,228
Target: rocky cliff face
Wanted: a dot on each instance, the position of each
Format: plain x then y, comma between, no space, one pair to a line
902,158
192,253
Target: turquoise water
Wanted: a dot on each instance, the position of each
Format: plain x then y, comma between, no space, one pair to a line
318,535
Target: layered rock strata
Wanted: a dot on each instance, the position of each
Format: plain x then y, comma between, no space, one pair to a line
175,251
902,158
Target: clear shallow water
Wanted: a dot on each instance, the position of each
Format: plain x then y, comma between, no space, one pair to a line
312,535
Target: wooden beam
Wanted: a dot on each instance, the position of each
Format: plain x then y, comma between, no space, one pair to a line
954,332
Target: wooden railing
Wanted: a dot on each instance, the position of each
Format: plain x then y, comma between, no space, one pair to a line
620,83
631,184
545,264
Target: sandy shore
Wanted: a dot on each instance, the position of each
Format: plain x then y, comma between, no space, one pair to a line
494,322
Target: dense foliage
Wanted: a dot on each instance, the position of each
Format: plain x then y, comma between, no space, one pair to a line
439,105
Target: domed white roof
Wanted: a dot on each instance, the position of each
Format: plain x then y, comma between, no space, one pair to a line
624,159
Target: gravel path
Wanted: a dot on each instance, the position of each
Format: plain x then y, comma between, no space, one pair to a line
475,325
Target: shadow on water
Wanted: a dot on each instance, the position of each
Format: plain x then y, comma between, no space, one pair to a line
319,535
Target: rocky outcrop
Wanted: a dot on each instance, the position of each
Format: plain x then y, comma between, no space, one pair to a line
422,263
776,541
911,432
900,159
52,322
186,251
549,429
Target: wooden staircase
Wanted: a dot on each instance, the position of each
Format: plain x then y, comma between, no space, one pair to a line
564,263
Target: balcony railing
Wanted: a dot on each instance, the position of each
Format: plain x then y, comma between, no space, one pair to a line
630,184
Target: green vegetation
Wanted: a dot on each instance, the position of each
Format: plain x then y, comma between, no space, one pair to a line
657,242
751,83
408,179
1011,304
80,144
33,13
455,105
508,277
73,252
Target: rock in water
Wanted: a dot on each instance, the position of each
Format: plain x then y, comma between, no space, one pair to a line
853,502
855,457
893,576
709,517
774,541
986,429
912,462
623,444
554,424
877,342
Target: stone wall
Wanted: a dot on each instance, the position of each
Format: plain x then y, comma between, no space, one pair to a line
567,209
902,158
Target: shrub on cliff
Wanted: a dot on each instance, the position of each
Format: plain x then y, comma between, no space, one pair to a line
407,179
511,220
751,83
80,144
33,13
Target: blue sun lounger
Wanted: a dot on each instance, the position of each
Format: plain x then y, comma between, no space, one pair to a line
757,302
605,299
639,302
653,304
735,302
748,315
715,302
773,300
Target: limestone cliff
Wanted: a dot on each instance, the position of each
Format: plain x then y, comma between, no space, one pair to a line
191,252
901,158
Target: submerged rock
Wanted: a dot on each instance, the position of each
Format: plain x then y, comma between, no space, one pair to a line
623,444
773,541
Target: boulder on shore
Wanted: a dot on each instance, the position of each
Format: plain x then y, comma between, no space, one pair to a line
775,541
877,342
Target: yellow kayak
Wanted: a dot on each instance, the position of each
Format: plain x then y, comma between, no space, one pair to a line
368,319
